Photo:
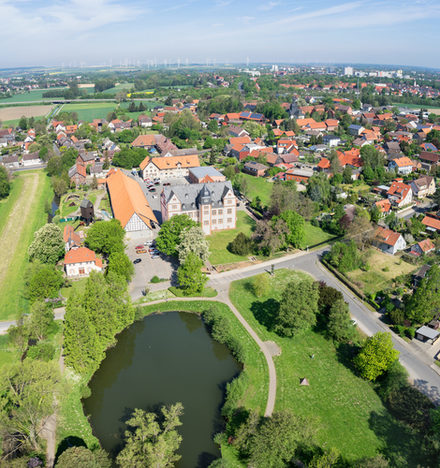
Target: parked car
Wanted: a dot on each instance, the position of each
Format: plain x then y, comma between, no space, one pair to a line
138,260
166,184
139,247
151,189
141,251
154,256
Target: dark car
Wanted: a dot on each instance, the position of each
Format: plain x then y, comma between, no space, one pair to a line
138,260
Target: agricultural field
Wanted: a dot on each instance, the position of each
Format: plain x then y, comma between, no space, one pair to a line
382,269
21,214
348,413
119,87
34,95
90,110
8,114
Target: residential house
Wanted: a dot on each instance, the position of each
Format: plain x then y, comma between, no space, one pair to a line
331,124
10,162
256,169
423,247
331,140
300,175
400,194
212,205
31,159
429,160
71,238
130,206
78,174
432,224
173,165
355,130
204,175
80,262
428,147
324,165
423,186
145,121
389,241
237,131
384,206
402,165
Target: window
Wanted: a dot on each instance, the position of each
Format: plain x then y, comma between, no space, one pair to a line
206,222
220,212
214,221
229,211
229,220
214,212
81,271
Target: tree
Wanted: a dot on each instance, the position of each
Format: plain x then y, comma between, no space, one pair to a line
120,264
376,356
241,245
192,239
229,172
327,297
106,237
261,284
168,238
283,197
190,276
375,214
277,438
151,442
340,327
48,244
298,308
5,186
424,304
28,390
40,320
296,225
270,235
93,318
42,281
82,457
344,256
23,123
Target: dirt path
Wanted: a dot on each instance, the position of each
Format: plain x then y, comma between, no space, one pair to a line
10,236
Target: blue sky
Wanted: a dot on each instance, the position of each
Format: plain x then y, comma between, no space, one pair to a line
55,32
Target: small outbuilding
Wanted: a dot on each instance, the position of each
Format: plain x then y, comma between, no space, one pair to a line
427,334
87,211
304,382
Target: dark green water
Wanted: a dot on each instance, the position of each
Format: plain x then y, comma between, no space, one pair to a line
161,360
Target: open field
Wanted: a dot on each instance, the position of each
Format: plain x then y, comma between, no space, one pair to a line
258,187
15,113
90,110
346,410
34,95
219,240
119,87
20,216
383,269
433,109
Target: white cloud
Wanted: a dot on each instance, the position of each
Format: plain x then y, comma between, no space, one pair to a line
268,6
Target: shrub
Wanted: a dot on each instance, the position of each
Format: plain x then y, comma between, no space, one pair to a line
410,332
397,316
42,351
241,245
155,279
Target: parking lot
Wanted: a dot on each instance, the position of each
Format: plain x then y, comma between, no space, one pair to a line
163,267
154,197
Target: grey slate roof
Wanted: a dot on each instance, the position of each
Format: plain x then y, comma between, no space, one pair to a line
86,203
189,195
204,171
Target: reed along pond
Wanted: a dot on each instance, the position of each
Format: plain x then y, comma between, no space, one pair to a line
160,360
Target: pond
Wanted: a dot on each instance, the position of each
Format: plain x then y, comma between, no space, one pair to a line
163,359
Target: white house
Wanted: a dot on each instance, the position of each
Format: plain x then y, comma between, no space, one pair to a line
423,186
389,241
81,262
402,165
400,194
31,159
173,165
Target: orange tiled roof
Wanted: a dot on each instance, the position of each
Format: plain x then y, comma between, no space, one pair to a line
81,255
70,234
324,163
239,140
387,236
403,162
127,199
144,140
426,245
171,162
383,205
431,222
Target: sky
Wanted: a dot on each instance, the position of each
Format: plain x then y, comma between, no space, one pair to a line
104,32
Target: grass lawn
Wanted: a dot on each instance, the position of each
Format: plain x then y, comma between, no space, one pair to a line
315,235
347,412
8,354
76,287
258,187
219,240
90,110
383,269
119,87
20,216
